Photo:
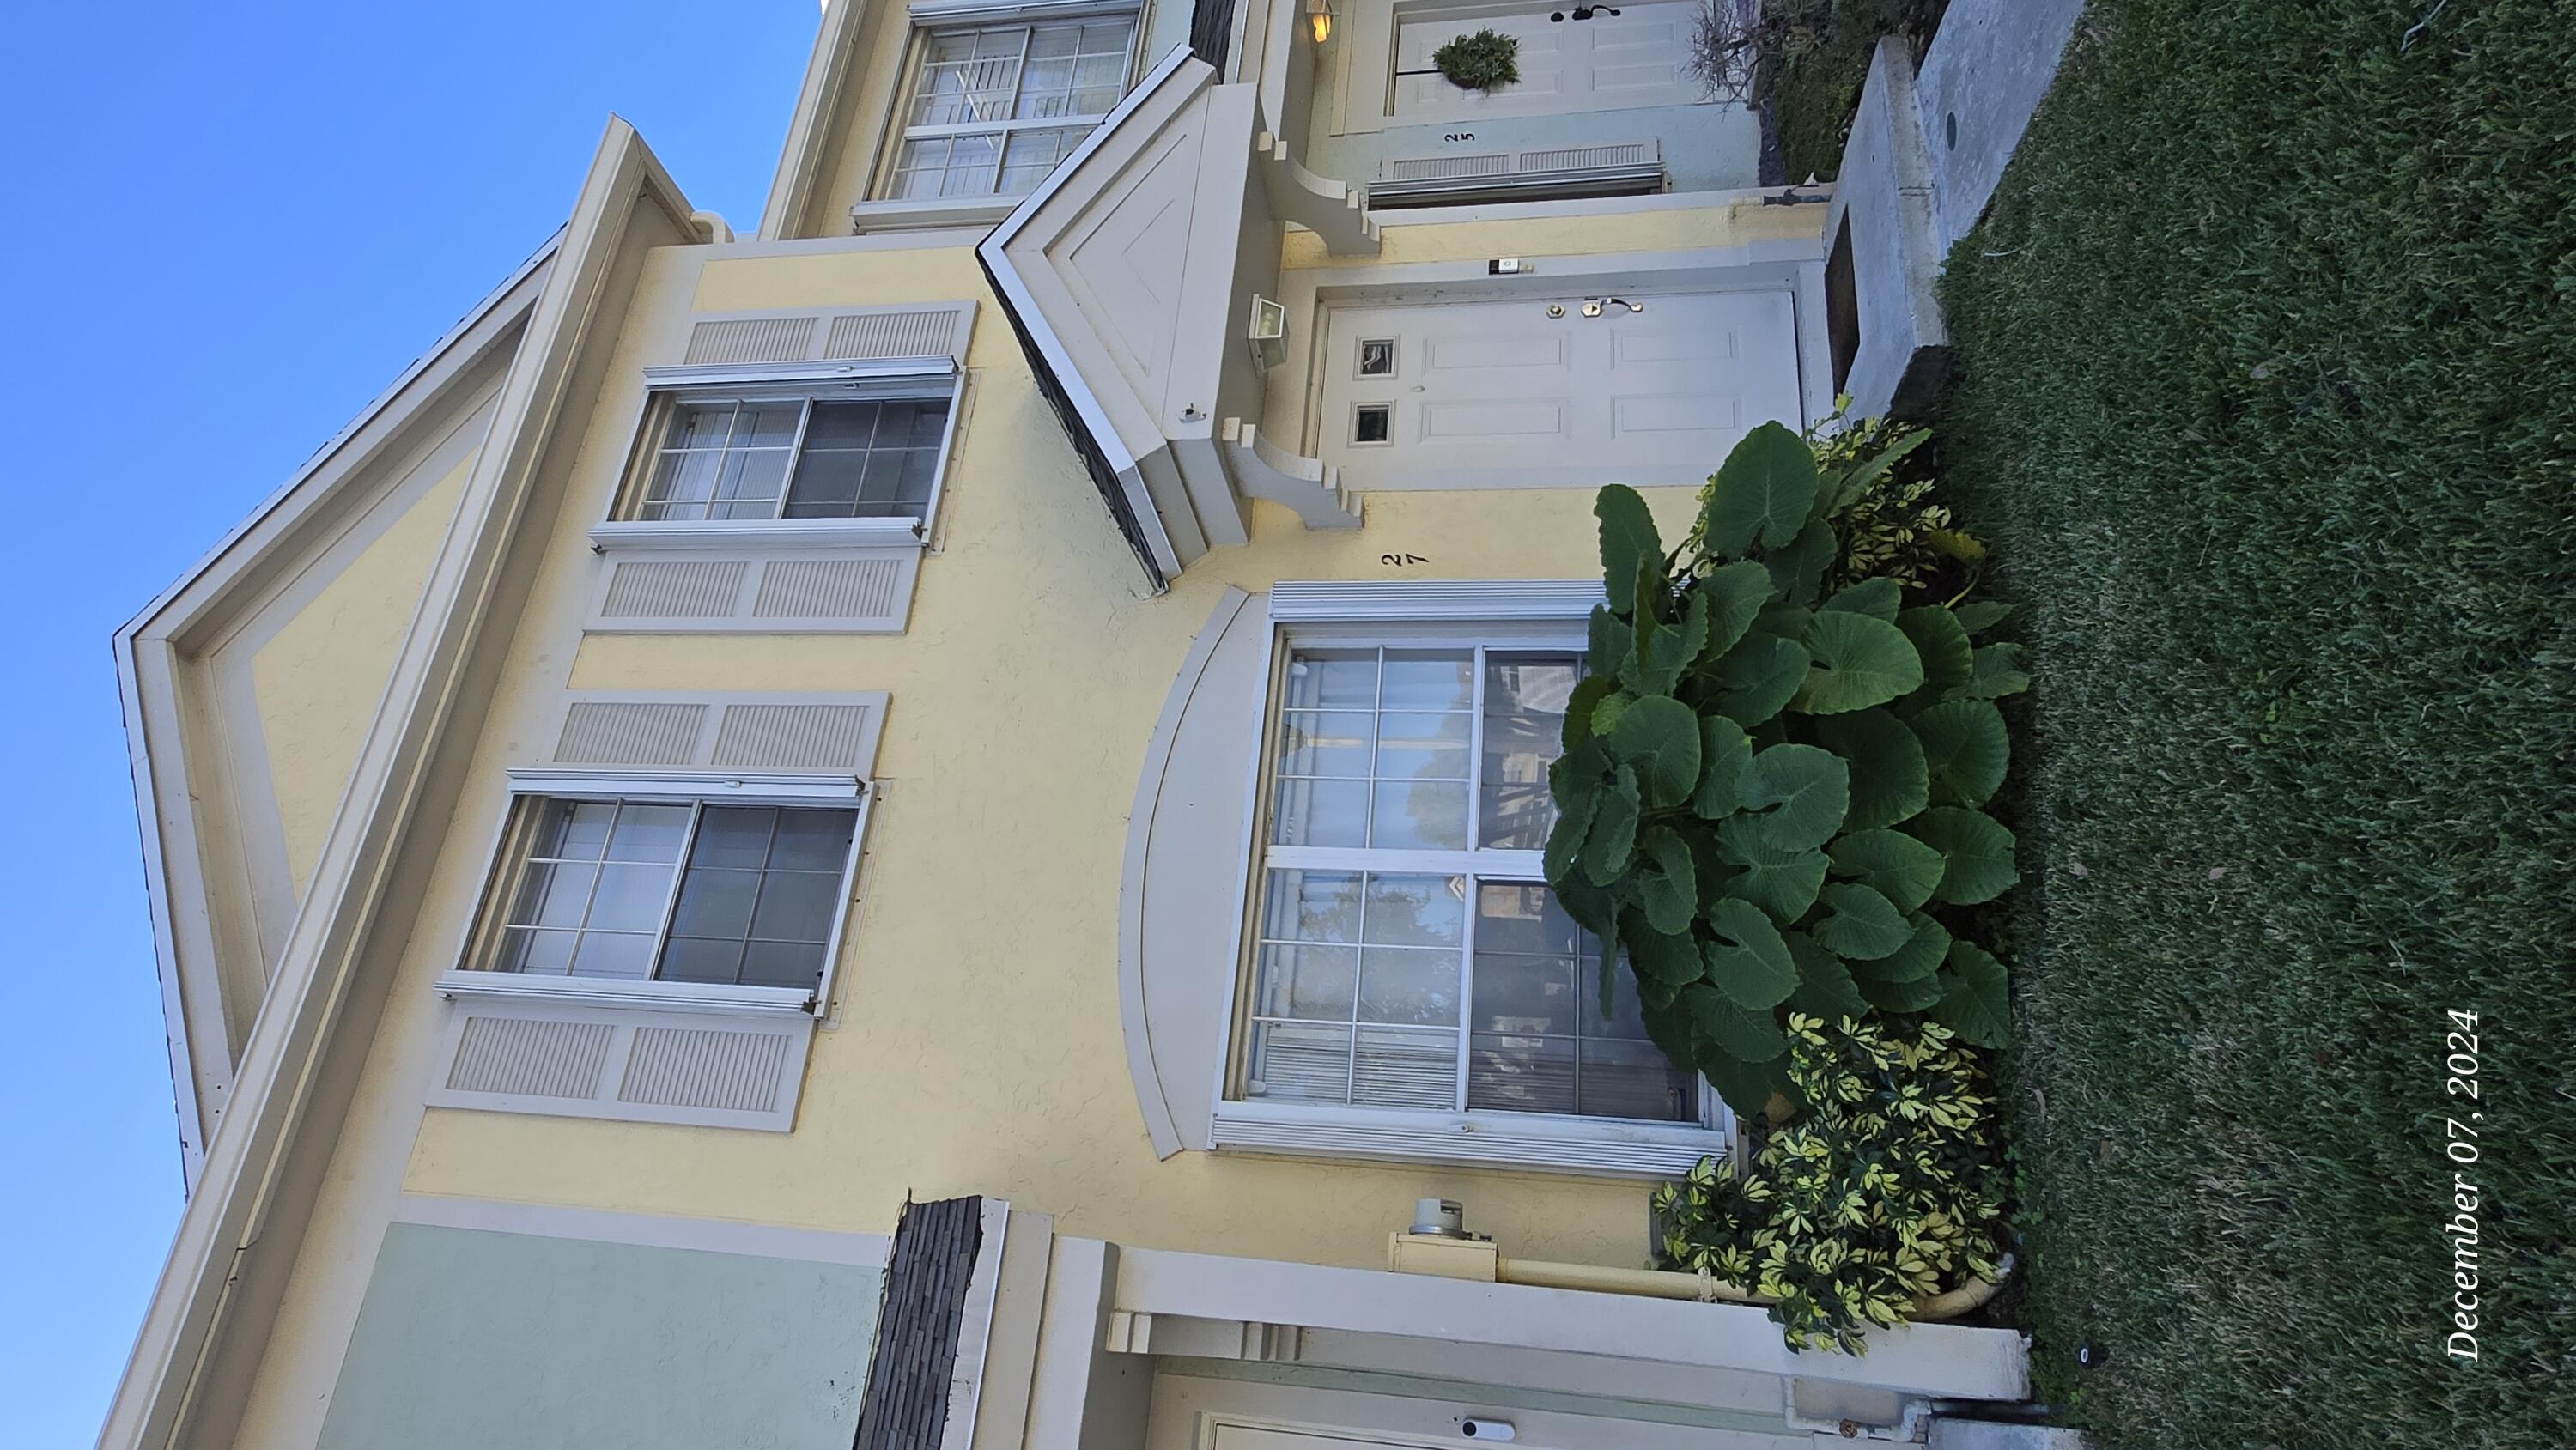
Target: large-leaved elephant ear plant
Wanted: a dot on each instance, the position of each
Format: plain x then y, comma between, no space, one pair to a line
1768,798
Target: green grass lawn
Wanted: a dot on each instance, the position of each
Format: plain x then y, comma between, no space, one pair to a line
2270,408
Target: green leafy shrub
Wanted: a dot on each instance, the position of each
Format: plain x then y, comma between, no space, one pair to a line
1769,792
1887,1191
1479,60
1889,524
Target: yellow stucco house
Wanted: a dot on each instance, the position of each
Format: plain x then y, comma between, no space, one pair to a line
1020,686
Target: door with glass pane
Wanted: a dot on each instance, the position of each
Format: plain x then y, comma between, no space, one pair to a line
995,107
1407,954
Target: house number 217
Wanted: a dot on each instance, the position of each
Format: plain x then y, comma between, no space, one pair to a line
1401,561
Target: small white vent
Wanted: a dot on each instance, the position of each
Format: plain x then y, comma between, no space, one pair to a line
1565,158
894,334
734,1072
674,589
827,588
793,737
824,735
604,732
852,334
1528,173
753,339
854,589
525,1057
637,1063
1441,168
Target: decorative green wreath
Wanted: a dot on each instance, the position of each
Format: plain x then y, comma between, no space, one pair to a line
1481,60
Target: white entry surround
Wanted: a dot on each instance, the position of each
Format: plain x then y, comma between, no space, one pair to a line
1090,1343
1550,389
1488,389
1196,372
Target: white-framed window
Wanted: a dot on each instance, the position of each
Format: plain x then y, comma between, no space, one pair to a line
993,108
1407,963
749,454
689,897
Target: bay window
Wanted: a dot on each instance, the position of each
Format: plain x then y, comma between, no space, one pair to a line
993,108
1406,954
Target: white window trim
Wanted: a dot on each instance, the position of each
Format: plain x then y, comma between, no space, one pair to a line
606,992
1499,613
925,213
469,977
929,14
1603,1147
746,536
929,17
805,383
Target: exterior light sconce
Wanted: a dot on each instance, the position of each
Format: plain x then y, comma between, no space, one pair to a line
1319,17
1269,333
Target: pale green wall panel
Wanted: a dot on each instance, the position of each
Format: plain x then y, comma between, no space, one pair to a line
471,1340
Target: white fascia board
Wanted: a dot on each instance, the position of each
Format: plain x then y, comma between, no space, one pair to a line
1172,63
207,1327
291,501
1177,67
800,159
147,660
1938,1361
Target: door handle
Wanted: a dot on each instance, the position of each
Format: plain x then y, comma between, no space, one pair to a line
1592,305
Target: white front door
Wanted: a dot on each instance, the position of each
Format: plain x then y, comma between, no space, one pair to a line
1611,61
1651,388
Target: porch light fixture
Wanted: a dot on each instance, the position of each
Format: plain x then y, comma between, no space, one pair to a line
1269,333
1319,15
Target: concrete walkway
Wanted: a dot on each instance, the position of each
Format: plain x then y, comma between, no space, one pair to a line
1925,155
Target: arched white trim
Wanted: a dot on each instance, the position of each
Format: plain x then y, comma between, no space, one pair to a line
1180,895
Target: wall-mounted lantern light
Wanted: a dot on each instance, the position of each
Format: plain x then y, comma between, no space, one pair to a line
1269,333
1319,15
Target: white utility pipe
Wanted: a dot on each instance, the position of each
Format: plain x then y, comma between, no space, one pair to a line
1671,1284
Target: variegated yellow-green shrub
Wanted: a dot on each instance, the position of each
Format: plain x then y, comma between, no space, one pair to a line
1886,1191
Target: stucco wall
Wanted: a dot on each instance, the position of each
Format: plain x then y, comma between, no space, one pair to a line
318,678
505,1341
975,1045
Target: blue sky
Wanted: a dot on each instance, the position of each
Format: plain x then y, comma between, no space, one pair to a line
233,225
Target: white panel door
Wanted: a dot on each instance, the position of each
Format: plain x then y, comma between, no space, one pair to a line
1505,394
1606,63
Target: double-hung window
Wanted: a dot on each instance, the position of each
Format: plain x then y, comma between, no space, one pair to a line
672,878
682,892
1406,956
993,108
858,453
